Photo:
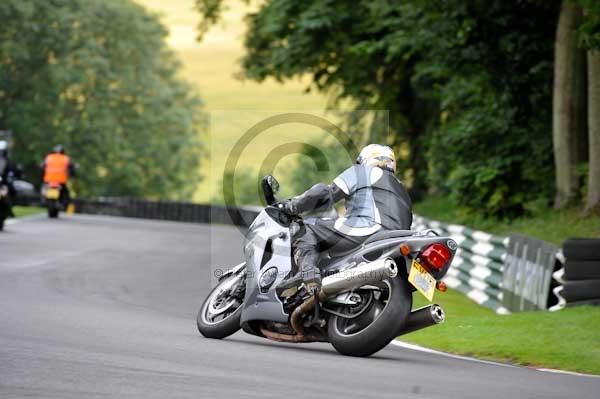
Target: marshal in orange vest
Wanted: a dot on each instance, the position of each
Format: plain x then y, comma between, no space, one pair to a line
57,168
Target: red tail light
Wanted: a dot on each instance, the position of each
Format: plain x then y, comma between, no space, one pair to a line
436,256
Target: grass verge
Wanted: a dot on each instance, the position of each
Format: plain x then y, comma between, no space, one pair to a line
21,211
547,224
568,339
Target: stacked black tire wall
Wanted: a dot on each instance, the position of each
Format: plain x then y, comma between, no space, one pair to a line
582,271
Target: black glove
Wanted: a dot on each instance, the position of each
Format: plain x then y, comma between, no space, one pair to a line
288,207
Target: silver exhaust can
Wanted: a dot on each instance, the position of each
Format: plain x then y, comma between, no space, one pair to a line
363,274
426,316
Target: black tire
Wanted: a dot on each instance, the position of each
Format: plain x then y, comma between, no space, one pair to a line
589,302
5,213
380,332
582,270
52,212
582,249
222,328
581,290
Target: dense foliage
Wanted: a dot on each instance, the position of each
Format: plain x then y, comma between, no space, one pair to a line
320,162
97,77
589,31
240,188
468,84
492,148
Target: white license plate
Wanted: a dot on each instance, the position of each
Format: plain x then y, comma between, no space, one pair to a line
422,280
52,193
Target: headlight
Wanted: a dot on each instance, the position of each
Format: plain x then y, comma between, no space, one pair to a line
3,191
267,279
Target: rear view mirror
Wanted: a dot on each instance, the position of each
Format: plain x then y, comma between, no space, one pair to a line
270,187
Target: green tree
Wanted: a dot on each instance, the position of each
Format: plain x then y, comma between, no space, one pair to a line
98,77
589,39
320,161
239,188
569,108
350,49
467,83
576,127
491,72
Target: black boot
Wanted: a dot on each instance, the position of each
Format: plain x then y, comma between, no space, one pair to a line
310,276
290,286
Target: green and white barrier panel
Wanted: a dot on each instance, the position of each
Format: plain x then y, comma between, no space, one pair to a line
528,270
506,274
477,267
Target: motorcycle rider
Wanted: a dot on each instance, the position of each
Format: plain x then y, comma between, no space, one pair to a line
8,172
375,200
57,169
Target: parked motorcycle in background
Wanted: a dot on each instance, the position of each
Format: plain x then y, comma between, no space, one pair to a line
366,297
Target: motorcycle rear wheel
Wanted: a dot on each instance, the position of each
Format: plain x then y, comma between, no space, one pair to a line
220,313
53,211
377,326
5,212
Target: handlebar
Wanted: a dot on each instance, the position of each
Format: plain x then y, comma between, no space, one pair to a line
282,217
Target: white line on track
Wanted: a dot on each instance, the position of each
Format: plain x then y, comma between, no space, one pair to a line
419,348
567,372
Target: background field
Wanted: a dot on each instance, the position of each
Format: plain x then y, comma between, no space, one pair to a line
233,105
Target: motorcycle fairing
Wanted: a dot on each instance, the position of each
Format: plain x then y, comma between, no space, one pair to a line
267,245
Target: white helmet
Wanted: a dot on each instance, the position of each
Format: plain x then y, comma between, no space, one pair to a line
377,155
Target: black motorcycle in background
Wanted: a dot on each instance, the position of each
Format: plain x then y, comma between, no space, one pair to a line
13,190
5,202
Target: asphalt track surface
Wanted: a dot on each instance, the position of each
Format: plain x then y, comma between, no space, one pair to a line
95,307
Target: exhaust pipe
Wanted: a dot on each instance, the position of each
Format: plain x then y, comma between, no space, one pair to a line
426,316
346,280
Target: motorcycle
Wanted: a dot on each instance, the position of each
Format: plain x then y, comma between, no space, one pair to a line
51,193
5,203
366,297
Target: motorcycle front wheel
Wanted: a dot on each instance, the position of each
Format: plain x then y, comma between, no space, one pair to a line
221,311
369,327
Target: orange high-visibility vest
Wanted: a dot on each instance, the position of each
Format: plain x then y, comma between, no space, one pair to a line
57,168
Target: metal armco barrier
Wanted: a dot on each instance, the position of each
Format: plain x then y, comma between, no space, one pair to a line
477,268
528,269
167,210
